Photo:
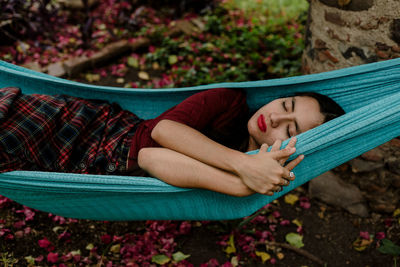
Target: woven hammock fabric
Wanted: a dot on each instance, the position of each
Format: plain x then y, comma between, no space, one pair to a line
370,94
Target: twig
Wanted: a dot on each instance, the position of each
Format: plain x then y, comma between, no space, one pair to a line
297,250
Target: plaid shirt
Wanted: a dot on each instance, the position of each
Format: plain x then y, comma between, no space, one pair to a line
63,133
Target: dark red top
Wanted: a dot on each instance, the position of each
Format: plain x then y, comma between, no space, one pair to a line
221,114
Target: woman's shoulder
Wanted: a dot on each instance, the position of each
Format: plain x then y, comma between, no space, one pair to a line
227,94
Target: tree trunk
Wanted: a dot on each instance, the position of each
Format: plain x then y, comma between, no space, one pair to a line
343,33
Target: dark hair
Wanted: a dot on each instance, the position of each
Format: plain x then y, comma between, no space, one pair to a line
328,107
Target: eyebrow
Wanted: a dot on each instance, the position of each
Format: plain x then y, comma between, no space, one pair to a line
295,121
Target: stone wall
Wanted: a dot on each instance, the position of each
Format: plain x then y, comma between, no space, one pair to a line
343,33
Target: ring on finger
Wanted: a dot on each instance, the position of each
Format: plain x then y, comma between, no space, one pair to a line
291,174
280,188
286,182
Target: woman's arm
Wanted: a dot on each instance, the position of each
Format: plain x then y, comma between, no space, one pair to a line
179,170
261,172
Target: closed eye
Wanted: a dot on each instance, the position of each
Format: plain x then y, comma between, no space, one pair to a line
284,106
288,132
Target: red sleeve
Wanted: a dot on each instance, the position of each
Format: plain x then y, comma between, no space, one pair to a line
201,109
212,108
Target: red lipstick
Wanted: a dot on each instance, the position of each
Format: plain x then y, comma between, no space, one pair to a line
261,123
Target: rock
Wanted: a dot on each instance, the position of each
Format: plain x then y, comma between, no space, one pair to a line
321,56
395,180
373,155
56,69
76,4
375,188
393,164
330,56
395,30
382,54
334,18
395,142
319,44
33,66
384,203
331,189
396,48
359,165
354,5
382,46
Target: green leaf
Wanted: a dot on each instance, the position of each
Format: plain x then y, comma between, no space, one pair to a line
172,59
30,260
160,259
295,240
388,247
179,256
133,62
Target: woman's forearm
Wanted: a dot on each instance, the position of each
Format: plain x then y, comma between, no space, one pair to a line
183,171
190,142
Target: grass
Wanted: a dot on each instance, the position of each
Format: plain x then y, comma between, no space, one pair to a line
289,9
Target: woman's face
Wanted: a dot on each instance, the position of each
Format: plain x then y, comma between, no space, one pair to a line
282,119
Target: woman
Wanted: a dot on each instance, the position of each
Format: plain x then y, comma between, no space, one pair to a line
198,143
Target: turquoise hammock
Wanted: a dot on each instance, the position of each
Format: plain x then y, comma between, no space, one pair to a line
370,94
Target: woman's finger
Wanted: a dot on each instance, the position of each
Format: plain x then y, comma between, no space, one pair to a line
282,154
285,182
276,146
277,189
290,166
288,174
264,148
292,142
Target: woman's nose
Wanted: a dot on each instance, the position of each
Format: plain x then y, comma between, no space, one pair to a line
278,118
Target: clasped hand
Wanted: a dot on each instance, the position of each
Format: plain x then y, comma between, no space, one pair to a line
265,172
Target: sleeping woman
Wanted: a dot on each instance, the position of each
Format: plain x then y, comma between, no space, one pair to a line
199,143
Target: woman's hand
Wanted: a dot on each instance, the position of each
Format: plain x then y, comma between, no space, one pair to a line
264,172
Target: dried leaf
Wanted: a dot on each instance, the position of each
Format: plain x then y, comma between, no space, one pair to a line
263,255
57,228
133,62
295,240
115,248
396,213
179,256
172,59
343,3
361,244
76,252
30,260
231,245
297,222
144,75
235,261
160,259
280,255
155,66
92,77
321,214
291,199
